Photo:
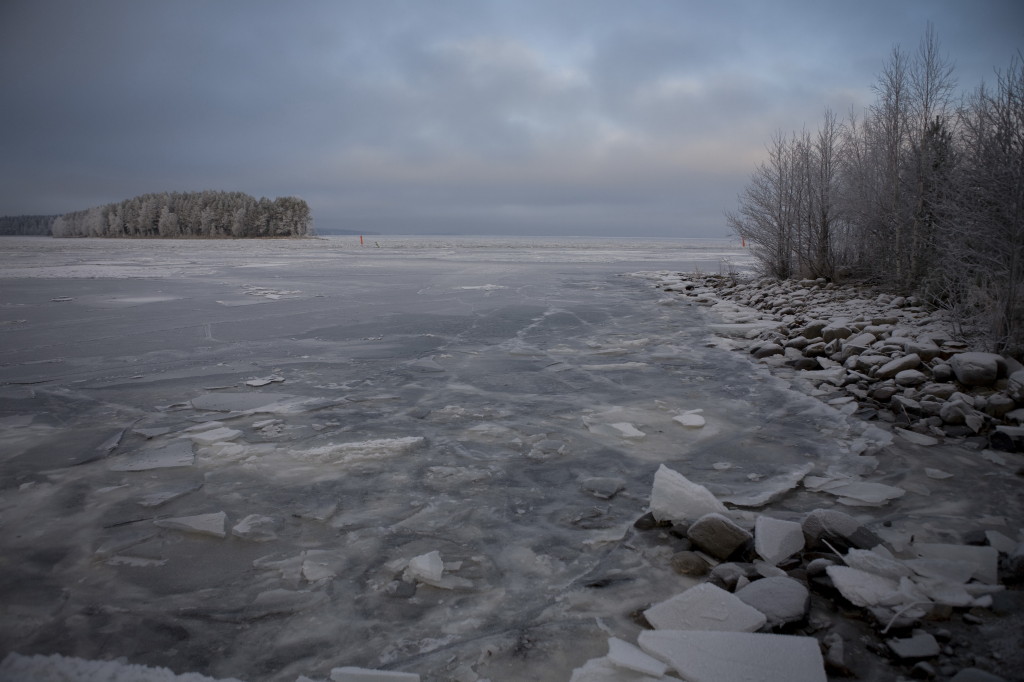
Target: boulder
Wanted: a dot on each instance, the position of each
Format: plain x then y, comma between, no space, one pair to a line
768,350
897,365
782,600
926,349
836,330
942,372
813,329
717,535
977,369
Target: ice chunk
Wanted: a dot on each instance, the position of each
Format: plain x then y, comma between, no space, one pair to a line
201,524
164,496
361,451
255,527
426,568
603,670
676,498
873,562
937,474
767,490
236,402
985,560
626,655
177,454
855,492
864,589
705,607
776,540
57,667
690,419
263,381
353,674
920,645
217,435
780,598
915,437
720,656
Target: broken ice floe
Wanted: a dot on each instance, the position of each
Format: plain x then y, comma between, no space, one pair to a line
355,674
705,607
674,497
853,491
200,524
690,419
176,454
751,657
361,451
264,381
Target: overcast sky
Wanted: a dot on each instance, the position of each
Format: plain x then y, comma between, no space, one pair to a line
475,117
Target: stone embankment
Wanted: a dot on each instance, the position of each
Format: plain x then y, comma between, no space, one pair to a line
892,357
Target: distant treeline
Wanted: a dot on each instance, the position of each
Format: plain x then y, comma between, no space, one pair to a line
189,214
922,192
37,225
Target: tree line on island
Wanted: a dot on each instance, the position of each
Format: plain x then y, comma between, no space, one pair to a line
176,214
922,193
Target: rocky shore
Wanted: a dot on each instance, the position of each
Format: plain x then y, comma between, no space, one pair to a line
823,596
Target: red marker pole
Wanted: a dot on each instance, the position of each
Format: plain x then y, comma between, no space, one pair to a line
360,240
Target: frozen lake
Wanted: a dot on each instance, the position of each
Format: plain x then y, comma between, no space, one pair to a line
222,456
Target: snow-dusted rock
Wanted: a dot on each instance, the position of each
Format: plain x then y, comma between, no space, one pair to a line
705,607
717,535
201,524
675,498
776,540
781,599
1015,386
977,369
750,657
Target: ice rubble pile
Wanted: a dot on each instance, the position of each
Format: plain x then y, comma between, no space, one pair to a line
890,355
757,577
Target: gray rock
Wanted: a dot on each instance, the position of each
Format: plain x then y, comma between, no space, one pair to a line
975,675
603,487
813,329
717,535
727,575
689,563
836,330
910,377
977,369
897,365
1015,386
884,393
954,412
814,350
901,403
942,372
768,350
999,405
926,349
781,600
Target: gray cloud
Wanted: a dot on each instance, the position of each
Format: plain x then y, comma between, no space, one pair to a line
475,116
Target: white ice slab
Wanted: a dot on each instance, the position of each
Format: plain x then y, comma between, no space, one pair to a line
361,451
427,567
236,402
177,454
690,420
218,435
353,674
735,656
59,668
865,589
674,497
201,524
603,670
984,559
626,655
705,607
776,540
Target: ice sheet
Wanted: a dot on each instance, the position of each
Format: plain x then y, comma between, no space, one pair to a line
438,396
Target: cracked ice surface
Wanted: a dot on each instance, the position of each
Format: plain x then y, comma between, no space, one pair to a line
435,396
